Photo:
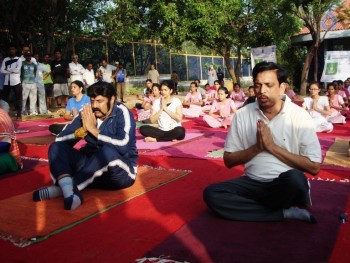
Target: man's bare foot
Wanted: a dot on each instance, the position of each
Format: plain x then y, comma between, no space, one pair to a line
150,139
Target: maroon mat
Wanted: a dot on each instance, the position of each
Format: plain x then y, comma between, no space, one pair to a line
38,140
210,239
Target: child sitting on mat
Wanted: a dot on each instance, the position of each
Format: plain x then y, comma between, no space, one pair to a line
193,102
222,110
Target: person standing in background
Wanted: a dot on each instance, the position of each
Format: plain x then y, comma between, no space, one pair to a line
28,76
25,50
89,76
47,80
106,71
60,71
212,76
40,85
11,67
120,79
175,79
76,70
2,76
220,75
153,74
3,104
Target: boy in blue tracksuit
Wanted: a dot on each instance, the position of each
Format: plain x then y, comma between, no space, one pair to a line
107,161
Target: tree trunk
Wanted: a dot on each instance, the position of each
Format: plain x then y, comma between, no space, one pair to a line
239,64
316,64
229,67
306,68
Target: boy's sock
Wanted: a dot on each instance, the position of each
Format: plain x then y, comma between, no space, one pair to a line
46,193
300,214
72,197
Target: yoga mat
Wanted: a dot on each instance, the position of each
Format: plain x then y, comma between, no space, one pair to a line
204,147
211,239
337,154
142,145
38,140
35,128
25,222
34,151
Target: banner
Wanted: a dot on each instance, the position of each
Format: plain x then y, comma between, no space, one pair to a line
260,54
336,66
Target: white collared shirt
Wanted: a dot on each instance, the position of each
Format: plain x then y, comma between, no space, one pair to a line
11,68
89,76
76,71
291,129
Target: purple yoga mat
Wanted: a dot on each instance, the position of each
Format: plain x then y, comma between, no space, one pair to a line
211,239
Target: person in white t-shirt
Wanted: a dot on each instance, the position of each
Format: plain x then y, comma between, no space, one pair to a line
167,112
106,71
89,76
318,108
276,141
76,69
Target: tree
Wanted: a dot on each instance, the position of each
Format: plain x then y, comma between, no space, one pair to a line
224,26
70,18
311,13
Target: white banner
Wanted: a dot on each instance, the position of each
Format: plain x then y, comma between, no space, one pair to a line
336,66
260,54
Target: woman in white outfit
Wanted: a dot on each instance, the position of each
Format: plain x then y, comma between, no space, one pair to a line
318,107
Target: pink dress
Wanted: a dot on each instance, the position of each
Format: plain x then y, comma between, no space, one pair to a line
337,115
142,114
226,109
193,111
238,98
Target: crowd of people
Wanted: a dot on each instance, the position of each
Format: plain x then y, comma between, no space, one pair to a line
35,85
272,136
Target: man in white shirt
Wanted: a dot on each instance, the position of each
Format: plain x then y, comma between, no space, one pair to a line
89,76
11,67
107,71
76,69
276,141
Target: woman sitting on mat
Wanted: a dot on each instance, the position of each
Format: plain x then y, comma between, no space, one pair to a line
167,112
222,110
10,157
318,108
74,105
193,102
237,95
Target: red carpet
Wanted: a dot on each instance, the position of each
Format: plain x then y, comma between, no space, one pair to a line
128,231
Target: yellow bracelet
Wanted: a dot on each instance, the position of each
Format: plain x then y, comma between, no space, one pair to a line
80,133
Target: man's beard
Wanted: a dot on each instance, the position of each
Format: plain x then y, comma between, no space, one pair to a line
99,110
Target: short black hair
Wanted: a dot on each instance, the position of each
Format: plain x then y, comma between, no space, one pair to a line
281,72
101,88
79,83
